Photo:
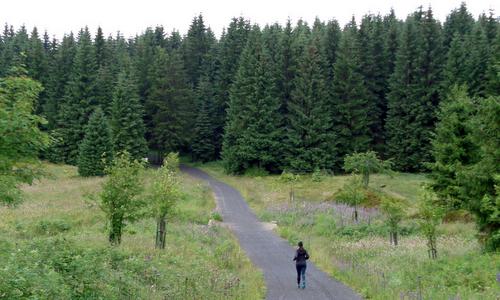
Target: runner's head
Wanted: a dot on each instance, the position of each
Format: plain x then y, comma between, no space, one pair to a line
301,244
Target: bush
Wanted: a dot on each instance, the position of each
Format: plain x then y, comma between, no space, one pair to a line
256,172
51,227
57,269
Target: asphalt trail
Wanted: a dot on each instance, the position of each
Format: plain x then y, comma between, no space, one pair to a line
268,251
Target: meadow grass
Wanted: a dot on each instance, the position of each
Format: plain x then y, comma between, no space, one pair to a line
359,253
54,245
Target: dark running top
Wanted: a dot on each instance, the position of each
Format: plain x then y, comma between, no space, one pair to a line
301,256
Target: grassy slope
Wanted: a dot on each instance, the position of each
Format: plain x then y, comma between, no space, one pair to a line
200,262
359,254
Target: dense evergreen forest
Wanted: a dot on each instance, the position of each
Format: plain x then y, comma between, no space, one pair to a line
280,97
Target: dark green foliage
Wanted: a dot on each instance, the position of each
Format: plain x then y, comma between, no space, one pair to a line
203,145
455,69
453,148
478,181
196,45
127,125
80,98
458,23
60,73
478,61
351,103
231,45
169,103
374,68
310,139
252,132
414,92
96,149
466,150
494,68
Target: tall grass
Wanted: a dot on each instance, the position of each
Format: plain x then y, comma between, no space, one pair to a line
359,253
54,245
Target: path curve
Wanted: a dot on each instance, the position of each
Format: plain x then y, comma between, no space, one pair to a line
268,251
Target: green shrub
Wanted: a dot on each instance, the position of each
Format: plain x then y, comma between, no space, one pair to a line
256,172
51,227
324,225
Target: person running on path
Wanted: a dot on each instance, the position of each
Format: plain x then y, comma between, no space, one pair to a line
300,258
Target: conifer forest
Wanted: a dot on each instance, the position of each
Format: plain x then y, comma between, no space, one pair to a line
416,95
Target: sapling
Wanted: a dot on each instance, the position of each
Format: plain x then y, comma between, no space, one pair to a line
120,196
353,194
394,210
365,164
431,215
163,195
290,178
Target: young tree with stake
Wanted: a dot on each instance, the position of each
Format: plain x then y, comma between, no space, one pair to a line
120,196
164,193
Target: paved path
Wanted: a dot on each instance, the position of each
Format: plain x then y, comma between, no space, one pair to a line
268,251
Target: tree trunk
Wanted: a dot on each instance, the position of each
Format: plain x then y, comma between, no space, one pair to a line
355,213
115,232
395,238
160,233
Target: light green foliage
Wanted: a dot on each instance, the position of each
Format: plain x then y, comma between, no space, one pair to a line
358,253
352,192
394,210
490,208
20,137
120,196
365,164
290,179
164,192
52,247
431,216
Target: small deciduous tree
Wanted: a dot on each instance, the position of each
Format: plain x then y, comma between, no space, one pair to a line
366,163
290,179
21,140
353,194
120,196
395,212
164,193
431,216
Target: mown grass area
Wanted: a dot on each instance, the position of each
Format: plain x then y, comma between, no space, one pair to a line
54,246
359,253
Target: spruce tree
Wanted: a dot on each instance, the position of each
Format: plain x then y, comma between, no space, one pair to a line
375,74
203,146
252,132
493,88
478,61
455,69
311,142
452,147
459,22
80,98
96,149
60,72
414,92
230,47
127,125
350,101
170,102
196,45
